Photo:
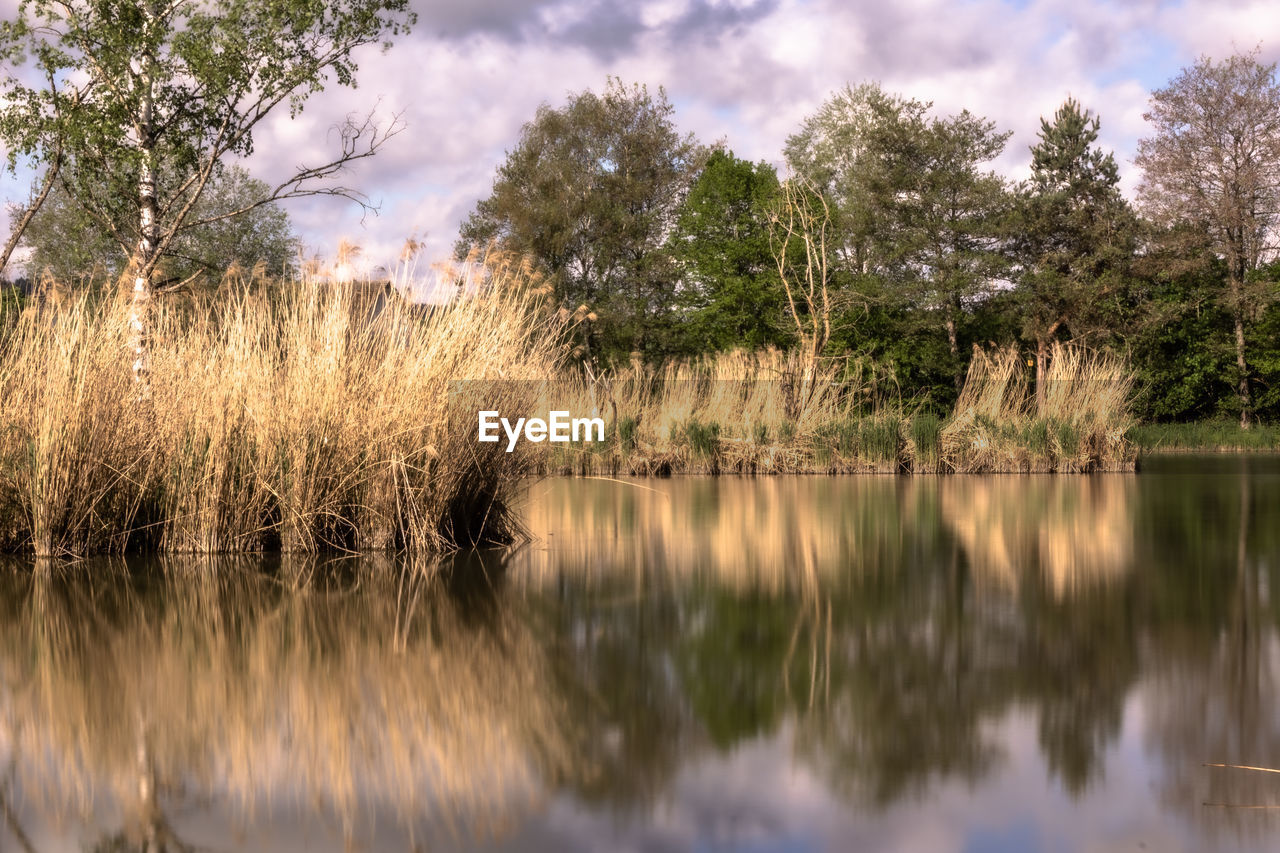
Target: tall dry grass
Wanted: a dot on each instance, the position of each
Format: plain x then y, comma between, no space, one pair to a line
738,412
1082,426
774,412
305,416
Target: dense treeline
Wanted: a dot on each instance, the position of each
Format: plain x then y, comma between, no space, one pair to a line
891,240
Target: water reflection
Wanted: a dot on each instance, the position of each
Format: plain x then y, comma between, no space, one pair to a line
783,532
896,663
361,697
1075,531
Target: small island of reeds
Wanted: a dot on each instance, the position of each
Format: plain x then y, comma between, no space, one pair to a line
315,416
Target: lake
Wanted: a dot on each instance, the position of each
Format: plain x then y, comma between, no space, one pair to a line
778,663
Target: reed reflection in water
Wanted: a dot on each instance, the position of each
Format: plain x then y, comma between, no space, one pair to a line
361,697
818,663
780,532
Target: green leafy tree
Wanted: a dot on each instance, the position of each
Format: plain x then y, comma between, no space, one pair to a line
917,225
141,102
730,288
840,149
947,212
1213,162
1075,235
67,245
590,193
1179,349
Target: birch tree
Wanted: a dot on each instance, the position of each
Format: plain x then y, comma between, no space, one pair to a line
66,244
1213,163
131,89
840,150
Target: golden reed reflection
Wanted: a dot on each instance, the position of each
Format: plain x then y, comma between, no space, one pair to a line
769,532
1072,532
208,684
778,533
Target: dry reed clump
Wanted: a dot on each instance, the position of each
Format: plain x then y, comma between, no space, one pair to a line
734,412
1081,427
73,462
311,416
776,413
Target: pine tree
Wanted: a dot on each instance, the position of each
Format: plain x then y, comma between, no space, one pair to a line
1075,234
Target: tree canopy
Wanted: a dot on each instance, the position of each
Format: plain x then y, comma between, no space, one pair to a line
590,193
1213,163
136,105
68,245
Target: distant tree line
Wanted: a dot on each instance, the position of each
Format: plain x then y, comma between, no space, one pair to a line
892,238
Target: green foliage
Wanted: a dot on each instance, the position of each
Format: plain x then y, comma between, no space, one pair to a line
1262,340
590,193
1182,351
703,438
731,294
942,214
1035,438
69,245
1074,233
910,348
140,105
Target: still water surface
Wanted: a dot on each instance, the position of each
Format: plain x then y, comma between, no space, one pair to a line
792,663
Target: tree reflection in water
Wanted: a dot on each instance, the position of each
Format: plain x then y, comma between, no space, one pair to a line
883,631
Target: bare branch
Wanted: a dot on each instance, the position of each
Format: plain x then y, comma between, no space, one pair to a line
302,183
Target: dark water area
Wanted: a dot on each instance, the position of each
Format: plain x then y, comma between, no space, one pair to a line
962,663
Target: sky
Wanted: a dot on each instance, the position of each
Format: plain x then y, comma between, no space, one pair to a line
747,72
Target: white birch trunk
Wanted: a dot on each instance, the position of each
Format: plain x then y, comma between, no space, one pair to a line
140,305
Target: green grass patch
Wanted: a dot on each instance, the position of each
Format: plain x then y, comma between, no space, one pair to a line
1068,437
1205,435
926,434
879,438
627,428
703,438
874,439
